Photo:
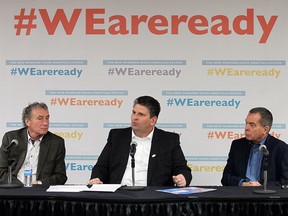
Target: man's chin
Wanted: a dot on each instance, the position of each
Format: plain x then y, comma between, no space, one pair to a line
248,138
43,132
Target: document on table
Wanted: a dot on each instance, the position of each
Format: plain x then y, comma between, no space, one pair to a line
79,188
186,190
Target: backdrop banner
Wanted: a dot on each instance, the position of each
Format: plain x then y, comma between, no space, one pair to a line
207,62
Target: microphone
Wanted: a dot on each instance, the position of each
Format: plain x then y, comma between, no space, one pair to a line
132,152
133,148
9,147
264,150
10,160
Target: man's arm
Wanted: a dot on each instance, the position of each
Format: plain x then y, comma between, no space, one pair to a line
101,168
58,175
229,178
180,167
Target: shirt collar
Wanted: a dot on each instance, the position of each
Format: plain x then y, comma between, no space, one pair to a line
264,140
29,138
258,144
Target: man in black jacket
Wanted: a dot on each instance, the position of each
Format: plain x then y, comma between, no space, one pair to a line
159,158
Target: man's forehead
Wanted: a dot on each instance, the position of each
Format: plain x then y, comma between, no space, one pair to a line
40,111
253,117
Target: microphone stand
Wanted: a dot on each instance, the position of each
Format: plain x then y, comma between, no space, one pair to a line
133,187
265,168
133,170
9,174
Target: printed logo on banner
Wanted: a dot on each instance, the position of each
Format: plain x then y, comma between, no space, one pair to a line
244,68
79,162
148,68
192,102
221,131
61,68
62,98
202,164
157,24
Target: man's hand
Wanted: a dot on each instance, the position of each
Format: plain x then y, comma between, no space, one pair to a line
251,183
179,180
94,181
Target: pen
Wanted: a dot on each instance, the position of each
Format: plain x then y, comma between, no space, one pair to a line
89,185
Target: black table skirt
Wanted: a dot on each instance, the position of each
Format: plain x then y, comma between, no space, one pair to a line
224,201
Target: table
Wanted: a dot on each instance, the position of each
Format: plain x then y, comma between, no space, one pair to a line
149,202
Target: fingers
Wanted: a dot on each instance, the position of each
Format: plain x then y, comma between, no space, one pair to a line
95,181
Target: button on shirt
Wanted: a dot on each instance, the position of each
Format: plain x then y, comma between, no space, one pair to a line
141,161
32,156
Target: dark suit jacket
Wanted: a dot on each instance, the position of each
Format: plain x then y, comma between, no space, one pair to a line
169,159
51,168
238,157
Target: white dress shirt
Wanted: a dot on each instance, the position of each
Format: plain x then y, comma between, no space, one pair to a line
31,156
141,161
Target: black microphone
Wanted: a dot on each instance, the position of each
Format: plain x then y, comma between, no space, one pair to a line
264,150
133,148
13,143
132,152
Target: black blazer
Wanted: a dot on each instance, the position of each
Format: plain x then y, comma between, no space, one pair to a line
169,159
51,168
238,157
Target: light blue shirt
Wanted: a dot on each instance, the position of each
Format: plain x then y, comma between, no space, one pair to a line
254,163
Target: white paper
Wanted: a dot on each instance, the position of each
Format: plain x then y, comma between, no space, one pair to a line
79,188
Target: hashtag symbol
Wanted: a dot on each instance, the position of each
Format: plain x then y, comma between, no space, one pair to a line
110,71
53,101
170,102
28,19
210,71
13,71
210,135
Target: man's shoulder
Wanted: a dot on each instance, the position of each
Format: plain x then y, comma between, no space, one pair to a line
121,130
240,141
161,132
271,140
16,132
51,136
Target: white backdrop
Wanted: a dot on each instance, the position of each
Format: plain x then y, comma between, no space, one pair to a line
207,62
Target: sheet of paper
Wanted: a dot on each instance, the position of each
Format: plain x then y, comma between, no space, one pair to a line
186,190
79,188
103,187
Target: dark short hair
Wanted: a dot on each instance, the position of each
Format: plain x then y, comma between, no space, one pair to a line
27,111
151,103
266,116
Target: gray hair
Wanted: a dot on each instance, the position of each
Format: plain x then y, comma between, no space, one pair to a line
27,111
266,116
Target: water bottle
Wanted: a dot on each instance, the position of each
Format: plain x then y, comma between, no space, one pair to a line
27,174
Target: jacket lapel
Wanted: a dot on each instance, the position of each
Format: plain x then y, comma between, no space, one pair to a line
246,154
44,148
22,149
155,147
125,142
